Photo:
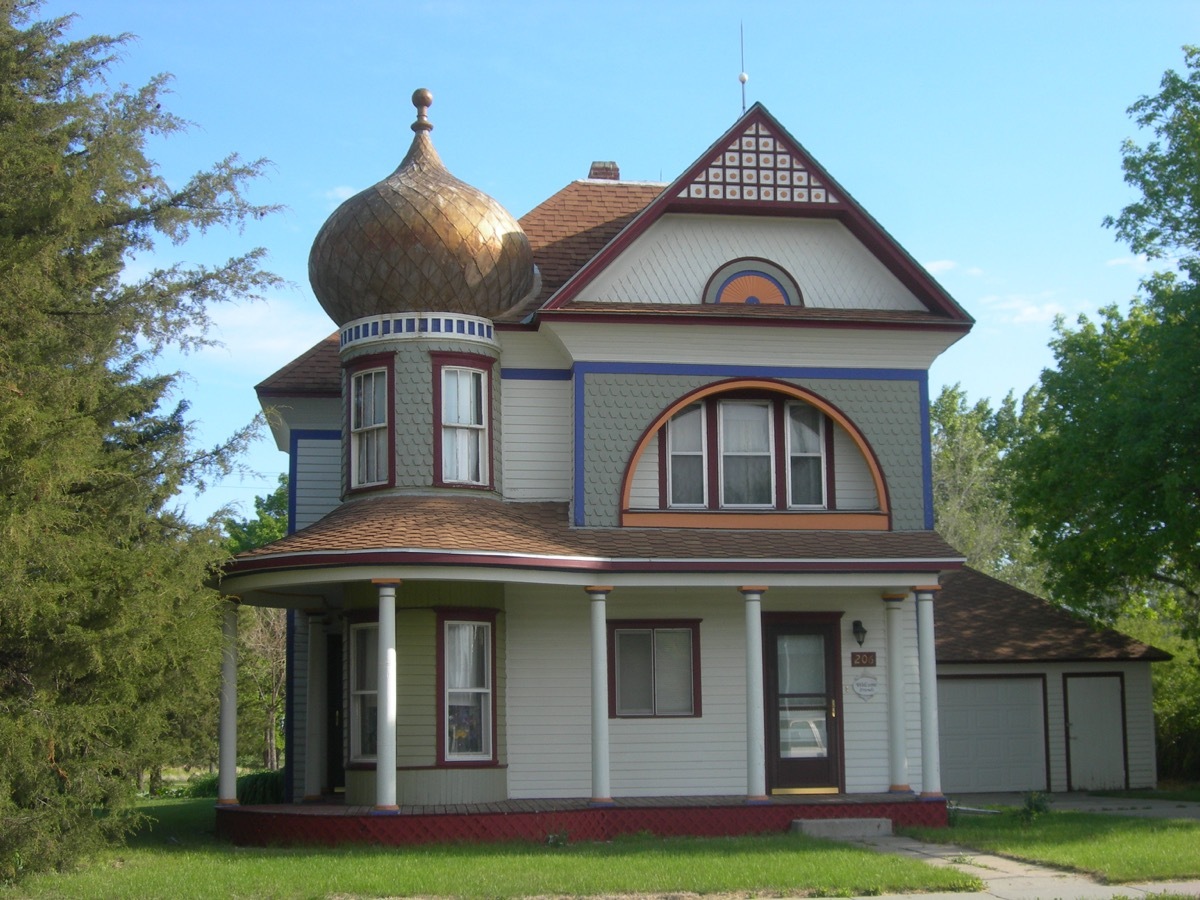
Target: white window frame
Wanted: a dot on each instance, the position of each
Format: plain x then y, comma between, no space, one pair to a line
819,454
363,697
485,692
672,453
458,436
723,453
364,434
620,708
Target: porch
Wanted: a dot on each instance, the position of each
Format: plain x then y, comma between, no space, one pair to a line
578,819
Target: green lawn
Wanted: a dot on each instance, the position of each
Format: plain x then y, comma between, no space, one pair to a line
1114,848
179,858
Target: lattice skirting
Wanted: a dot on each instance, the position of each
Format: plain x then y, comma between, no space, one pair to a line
259,826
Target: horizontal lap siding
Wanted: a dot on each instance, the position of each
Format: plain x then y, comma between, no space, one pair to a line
643,492
853,485
537,436
549,688
695,755
318,480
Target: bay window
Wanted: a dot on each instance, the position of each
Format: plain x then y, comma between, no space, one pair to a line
364,691
467,695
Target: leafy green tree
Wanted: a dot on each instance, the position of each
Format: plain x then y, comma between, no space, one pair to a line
1166,217
1110,476
972,485
262,637
107,632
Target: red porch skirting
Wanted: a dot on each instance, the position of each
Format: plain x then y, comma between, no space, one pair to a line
535,820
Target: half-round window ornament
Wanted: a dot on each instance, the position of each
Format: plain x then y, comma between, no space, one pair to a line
753,289
752,282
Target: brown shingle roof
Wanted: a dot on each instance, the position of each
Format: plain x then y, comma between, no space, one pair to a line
482,531
314,373
570,227
980,619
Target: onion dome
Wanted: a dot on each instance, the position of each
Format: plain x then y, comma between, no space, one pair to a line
420,241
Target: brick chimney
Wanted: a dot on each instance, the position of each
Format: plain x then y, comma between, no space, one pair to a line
605,170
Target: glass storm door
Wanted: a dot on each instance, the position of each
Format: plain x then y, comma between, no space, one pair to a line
804,740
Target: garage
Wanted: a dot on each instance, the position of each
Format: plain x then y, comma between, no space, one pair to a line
1031,698
993,733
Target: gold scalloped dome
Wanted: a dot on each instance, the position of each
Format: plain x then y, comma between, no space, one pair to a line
420,241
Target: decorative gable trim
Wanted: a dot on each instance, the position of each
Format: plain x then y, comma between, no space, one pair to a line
821,197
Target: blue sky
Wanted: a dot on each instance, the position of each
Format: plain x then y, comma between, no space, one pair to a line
984,136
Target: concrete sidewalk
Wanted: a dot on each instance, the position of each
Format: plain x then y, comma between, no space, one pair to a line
1008,879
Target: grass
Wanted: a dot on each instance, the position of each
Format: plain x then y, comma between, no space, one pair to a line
178,857
1117,849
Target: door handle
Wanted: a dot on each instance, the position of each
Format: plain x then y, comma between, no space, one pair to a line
833,707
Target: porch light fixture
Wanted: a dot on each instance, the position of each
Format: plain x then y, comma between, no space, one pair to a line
860,633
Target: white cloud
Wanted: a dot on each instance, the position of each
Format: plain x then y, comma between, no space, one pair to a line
1024,309
337,195
938,266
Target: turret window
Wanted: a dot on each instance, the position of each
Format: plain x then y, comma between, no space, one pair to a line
464,429
369,428
463,400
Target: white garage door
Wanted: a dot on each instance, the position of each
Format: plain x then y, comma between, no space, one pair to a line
993,734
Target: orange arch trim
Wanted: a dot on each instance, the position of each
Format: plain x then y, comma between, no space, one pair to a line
777,387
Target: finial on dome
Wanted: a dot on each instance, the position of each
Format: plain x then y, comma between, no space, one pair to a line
422,99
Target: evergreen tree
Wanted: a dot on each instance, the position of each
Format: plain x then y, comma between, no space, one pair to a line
107,631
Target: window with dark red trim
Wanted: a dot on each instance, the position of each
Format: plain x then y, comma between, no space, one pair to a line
370,422
654,668
463,403
466,687
746,453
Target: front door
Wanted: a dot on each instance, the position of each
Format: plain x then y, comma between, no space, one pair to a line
803,706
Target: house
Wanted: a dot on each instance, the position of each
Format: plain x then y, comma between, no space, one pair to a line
1032,698
628,500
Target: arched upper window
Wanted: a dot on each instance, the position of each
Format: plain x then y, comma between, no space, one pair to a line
754,454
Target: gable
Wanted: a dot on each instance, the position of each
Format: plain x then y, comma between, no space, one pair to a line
756,169
673,261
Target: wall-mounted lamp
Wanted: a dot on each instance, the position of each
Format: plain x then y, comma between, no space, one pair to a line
860,632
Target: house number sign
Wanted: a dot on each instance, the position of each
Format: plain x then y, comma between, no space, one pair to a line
862,659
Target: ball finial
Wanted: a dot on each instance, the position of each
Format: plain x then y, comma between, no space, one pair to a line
422,99
743,77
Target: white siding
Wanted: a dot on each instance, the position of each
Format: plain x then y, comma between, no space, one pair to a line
537,439
674,259
530,350
318,479
643,492
852,348
1139,713
288,414
548,667
852,478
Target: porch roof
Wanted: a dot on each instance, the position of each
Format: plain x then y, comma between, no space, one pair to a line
478,531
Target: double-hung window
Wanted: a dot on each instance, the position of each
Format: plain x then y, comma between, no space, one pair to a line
364,691
467,678
369,428
464,425
746,453
654,668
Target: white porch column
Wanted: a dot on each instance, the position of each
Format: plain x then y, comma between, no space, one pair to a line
601,790
897,712
227,732
756,739
385,684
931,759
314,717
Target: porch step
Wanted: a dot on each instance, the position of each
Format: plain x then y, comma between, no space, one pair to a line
843,829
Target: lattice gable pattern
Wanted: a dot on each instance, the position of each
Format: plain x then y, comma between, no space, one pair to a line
759,166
